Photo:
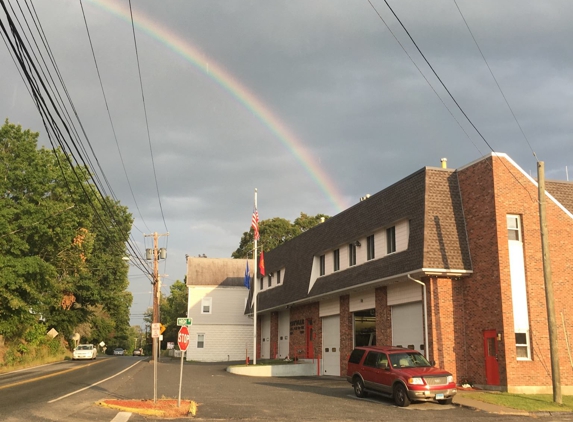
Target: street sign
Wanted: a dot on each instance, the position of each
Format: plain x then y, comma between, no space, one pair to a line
184,321
162,328
155,330
183,338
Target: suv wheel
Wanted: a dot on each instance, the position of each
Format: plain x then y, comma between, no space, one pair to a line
359,387
401,396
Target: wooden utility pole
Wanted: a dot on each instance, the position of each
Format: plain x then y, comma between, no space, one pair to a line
549,298
157,254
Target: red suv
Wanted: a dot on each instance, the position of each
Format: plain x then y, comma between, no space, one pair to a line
403,374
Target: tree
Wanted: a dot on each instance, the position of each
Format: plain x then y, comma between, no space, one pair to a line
61,243
274,232
175,306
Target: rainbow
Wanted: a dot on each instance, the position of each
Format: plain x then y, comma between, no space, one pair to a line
224,79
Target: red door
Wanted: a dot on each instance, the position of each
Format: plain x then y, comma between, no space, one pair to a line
309,339
490,352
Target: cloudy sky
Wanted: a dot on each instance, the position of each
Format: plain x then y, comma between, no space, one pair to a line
315,104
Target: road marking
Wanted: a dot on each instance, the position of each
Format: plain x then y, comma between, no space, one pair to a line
122,417
93,385
29,368
47,376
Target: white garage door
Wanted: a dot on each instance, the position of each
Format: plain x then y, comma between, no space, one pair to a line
408,326
284,319
331,345
266,337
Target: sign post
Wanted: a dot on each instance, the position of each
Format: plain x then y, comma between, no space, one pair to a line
183,342
155,333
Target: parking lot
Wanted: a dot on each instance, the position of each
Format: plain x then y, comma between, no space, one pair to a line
224,396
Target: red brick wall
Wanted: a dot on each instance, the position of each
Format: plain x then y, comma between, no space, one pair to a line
297,338
446,329
383,317
274,334
488,196
482,291
521,197
346,333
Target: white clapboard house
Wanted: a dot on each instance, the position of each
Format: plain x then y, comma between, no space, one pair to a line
217,297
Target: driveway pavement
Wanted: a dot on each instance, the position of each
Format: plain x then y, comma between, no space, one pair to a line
224,396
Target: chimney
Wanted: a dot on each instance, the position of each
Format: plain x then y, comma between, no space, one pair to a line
444,162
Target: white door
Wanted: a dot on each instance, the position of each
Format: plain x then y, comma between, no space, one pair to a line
266,337
284,325
331,345
408,326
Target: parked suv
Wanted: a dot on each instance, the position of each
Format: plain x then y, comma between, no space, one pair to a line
403,374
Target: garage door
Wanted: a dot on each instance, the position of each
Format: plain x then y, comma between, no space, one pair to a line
284,319
408,326
331,345
266,337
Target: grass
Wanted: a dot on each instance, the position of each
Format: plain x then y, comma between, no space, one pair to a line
525,402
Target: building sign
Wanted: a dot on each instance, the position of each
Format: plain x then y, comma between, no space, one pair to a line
297,325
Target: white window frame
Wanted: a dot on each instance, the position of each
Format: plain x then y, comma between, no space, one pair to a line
526,345
390,240
336,260
370,252
207,301
351,254
200,344
517,229
278,277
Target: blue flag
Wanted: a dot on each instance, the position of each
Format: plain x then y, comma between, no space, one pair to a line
247,277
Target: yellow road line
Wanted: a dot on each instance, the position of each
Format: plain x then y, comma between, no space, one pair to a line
47,376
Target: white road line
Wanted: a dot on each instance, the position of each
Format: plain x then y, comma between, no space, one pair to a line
92,385
122,417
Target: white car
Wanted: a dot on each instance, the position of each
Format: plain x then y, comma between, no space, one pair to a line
84,351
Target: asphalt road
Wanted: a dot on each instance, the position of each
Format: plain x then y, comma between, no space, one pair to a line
39,394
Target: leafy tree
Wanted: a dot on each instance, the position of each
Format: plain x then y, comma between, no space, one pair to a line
175,306
61,244
274,232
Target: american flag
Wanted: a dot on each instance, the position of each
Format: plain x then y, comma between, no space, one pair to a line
255,223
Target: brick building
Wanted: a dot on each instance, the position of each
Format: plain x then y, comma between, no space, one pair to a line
445,261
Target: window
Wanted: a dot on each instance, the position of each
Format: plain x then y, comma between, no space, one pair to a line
351,254
279,277
370,247
336,256
391,240
522,346
322,265
200,341
269,280
371,359
261,286
514,227
206,303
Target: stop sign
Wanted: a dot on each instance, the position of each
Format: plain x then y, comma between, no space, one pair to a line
183,338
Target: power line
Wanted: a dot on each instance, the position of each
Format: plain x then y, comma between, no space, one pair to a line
109,116
495,79
145,113
443,85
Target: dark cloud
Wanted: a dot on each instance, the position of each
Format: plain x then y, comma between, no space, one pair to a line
332,74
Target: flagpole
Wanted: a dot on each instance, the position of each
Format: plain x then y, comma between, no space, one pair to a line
255,282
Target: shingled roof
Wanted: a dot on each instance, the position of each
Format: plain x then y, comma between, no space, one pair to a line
429,199
216,271
562,191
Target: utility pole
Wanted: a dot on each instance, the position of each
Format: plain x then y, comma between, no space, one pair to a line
156,254
549,298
